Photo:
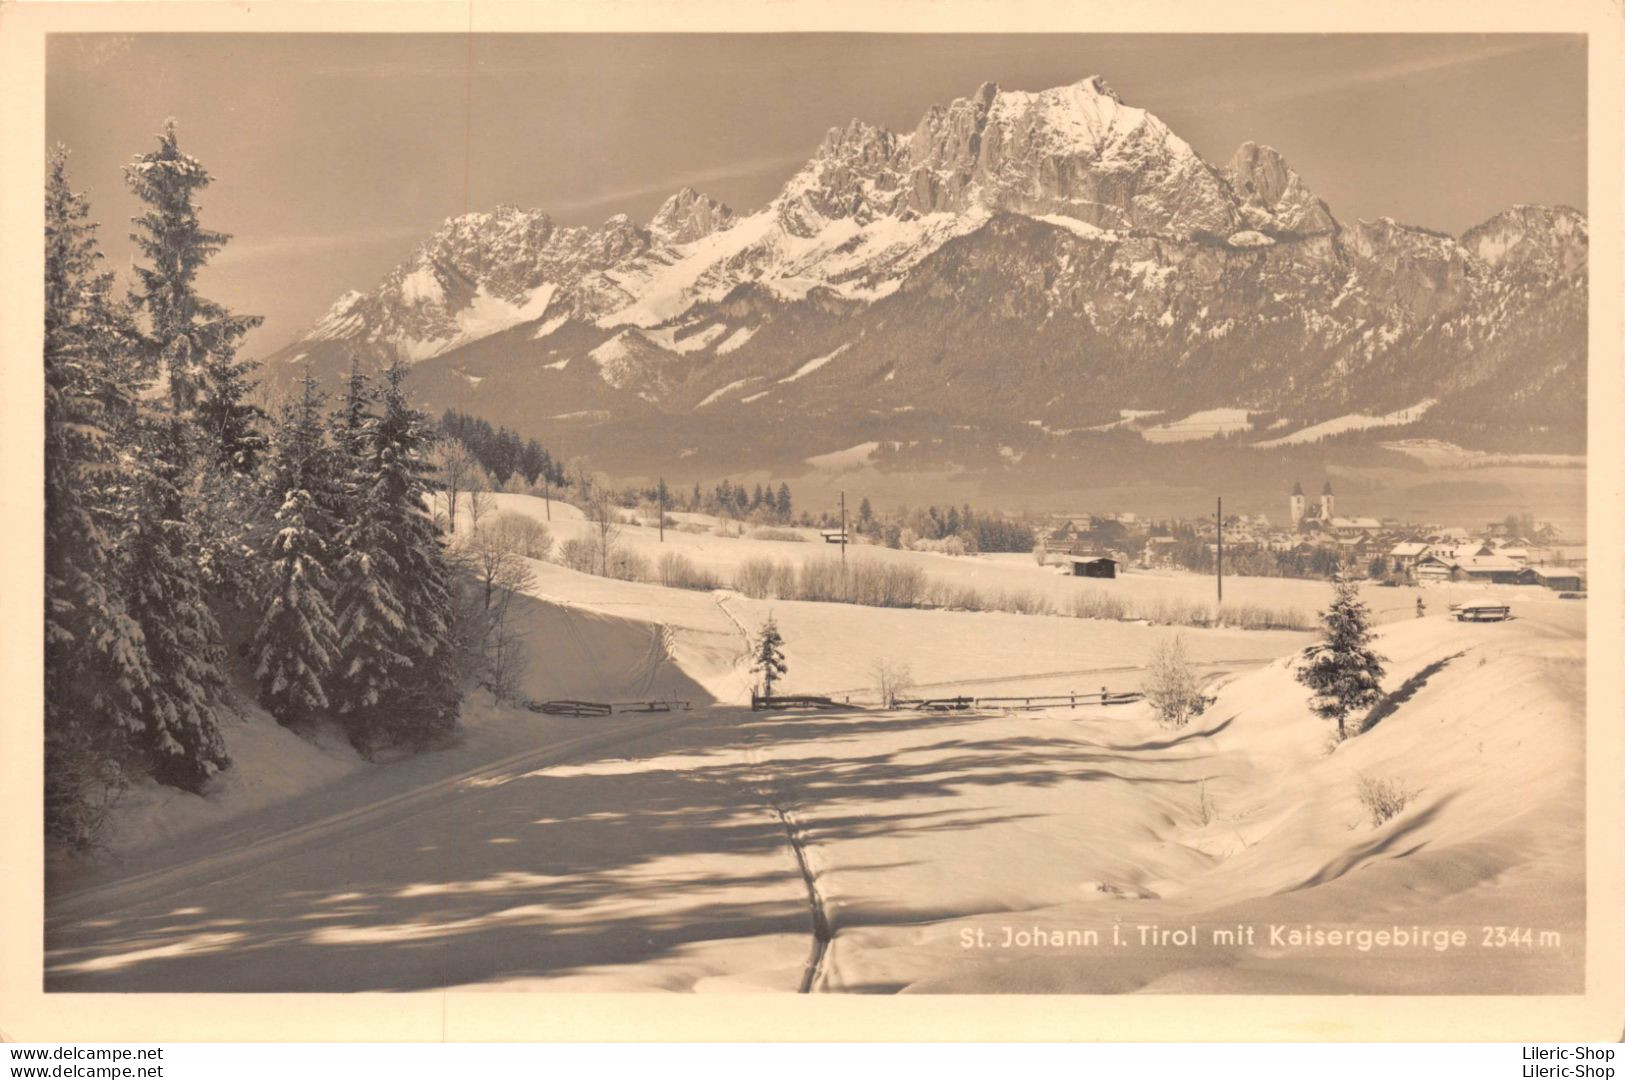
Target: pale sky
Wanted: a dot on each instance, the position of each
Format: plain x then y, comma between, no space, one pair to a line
335,154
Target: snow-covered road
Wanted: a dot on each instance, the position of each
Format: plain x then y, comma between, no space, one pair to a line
628,861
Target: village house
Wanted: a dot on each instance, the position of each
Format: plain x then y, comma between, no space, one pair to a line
1486,568
1067,530
1431,569
1403,556
1472,562
1517,553
1158,551
1353,547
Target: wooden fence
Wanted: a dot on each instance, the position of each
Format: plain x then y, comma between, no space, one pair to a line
949,704
1031,701
758,702
571,707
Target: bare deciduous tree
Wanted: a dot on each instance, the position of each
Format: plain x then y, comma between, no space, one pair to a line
579,475
453,463
480,503
526,536
606,522
492,555
1171,684
893,680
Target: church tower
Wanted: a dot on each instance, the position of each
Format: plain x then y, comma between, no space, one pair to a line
1326,498
1297,504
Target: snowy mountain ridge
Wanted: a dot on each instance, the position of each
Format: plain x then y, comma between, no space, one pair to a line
1055,254
864,210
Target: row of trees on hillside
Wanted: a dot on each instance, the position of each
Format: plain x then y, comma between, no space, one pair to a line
172,501
968,529
729,499
501,452
358,617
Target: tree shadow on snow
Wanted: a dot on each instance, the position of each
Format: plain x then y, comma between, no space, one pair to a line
1406,690
626,857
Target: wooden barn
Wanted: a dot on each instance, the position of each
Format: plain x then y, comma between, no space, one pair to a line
1562,578
1489,568
1095,566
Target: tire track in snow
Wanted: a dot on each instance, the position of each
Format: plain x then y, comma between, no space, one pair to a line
762,787
743,659
823,935
654,659
580,641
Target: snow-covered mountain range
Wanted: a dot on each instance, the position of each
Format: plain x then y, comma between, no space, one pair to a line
1057,259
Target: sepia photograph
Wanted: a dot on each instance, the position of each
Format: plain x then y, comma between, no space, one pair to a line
811,513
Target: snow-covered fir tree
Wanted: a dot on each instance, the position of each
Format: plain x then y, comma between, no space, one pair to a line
191,344
96,665
398,680
195,439
295,644
350,420
1343,670
302,457
192,340
166,598
769,659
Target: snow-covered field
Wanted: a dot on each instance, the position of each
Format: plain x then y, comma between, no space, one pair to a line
991,573
959,852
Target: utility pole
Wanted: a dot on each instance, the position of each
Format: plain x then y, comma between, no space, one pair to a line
547,495
662,500
843,530
1219,562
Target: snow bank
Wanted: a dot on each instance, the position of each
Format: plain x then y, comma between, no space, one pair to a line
1350,422
813,365
1207,424
722,392
736,339
270,764
853,457
1101,821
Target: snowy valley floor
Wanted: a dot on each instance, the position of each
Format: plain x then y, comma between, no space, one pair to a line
951,852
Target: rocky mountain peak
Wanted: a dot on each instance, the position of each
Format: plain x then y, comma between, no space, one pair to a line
688,216
1097,84
1076,151
1273,197
1542,239
855,174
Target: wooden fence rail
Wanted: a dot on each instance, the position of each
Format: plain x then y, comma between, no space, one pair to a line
1031,701
651,706
572,707
759,702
